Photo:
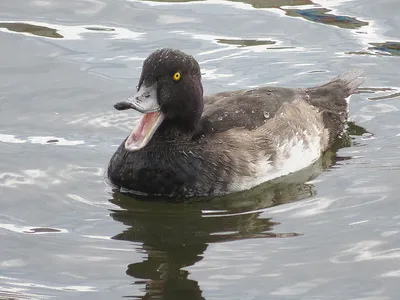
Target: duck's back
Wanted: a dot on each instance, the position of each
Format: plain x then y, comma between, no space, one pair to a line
246,108
254,108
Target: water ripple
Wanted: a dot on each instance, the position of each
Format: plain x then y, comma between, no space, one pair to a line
51,31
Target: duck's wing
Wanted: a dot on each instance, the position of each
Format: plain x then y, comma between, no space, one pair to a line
246,108
253,108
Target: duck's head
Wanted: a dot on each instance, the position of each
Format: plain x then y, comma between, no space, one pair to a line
169,94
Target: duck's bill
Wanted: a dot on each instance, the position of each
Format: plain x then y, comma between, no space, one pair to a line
145,101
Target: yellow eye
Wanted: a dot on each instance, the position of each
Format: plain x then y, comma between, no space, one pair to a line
177,76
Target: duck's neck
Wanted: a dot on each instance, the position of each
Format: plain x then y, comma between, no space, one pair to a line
178,126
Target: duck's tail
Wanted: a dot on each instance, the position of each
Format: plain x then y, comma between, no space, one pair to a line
332,98
333,95
347,82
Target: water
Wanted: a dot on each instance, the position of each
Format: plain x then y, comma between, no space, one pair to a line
329,232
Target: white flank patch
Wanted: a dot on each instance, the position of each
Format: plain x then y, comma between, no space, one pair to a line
292,156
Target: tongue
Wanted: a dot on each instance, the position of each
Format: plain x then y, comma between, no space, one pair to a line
144,127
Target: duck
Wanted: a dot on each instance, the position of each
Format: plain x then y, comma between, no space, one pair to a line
187,144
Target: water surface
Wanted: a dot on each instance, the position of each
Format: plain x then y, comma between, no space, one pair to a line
328,232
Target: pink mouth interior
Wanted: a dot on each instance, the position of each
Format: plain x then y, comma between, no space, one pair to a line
144,127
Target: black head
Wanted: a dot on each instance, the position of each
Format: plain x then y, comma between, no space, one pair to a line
169,95
179,89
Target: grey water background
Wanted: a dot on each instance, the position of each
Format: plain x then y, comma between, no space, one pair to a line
328,232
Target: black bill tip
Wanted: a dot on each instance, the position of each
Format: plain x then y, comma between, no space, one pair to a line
123,105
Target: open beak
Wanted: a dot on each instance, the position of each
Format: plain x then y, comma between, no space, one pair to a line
145,101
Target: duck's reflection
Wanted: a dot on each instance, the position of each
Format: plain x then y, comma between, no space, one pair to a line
176,235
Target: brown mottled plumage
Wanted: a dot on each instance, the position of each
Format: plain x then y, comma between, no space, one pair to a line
229,141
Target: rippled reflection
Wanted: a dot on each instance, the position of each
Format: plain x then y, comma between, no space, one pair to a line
315,14
320,15
390,48
176,235
390,96
32,29
19,293
255,3
377,49
245,43
70,32
275,3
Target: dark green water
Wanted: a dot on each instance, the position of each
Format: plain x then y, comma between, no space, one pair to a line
329,232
